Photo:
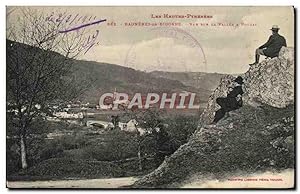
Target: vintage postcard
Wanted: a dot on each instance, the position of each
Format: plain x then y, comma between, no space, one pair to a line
156,97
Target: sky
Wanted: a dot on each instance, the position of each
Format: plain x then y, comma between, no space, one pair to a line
226,48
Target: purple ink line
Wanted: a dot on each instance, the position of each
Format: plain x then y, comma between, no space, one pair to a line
82,26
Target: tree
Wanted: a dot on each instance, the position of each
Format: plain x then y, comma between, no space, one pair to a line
39,60
180,128
149,120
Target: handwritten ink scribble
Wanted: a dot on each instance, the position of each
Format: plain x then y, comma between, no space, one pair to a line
91,41
81,26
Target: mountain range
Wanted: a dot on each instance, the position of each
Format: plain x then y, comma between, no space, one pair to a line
105,77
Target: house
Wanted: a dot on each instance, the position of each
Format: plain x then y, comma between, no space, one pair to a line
132,126
66,115
97,123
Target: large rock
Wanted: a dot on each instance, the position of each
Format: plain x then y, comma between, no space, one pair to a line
247,139
221,91
271,81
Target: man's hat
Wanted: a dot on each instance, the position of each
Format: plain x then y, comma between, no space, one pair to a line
275,27
239,80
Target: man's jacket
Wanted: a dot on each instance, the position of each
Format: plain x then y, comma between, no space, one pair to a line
273,45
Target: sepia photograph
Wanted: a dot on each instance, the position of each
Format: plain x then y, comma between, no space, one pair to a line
150,97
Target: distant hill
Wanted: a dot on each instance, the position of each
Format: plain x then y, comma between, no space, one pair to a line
104,77
200,80
108,77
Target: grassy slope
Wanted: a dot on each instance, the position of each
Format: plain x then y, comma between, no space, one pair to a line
250,139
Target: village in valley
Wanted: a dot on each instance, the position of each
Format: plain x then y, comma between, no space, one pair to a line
93,118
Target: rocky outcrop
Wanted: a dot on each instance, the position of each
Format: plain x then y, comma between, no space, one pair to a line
221,91
269,82
257,136
272,81
248,140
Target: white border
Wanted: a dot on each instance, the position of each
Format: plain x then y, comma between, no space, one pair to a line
152,2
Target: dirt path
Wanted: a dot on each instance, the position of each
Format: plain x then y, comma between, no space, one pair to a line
284,179
91,183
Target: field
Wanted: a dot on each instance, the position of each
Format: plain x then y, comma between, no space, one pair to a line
64,150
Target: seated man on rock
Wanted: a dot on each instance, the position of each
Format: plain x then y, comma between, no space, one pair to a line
272,47
233,100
